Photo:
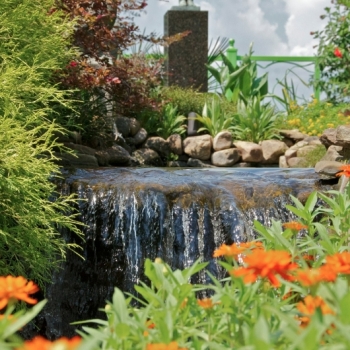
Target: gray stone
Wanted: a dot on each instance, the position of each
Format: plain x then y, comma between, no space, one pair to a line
226,157
328,168
177,163
147,156
80,148
332,154
243,165
118,155
299,145
78,160
198,147
123,125
282,163
293,134
158,144
272,150
290,153
343,136
197,163
102,157
141,136
296,162
175,144
303,151
223,140
135,126
328,137
251,152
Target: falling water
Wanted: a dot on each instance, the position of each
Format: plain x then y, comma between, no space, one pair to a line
177,215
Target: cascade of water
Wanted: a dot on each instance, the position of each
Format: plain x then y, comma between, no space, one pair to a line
179,216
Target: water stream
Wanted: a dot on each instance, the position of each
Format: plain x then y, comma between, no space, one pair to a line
178,215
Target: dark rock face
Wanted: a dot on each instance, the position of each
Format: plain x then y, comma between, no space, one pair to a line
177,215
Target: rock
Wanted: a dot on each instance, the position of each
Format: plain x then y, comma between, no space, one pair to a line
288,142
135,126
272,150
250,151
296,162
198,147
303,151
177,163
332,154
158,144
78,160
328,169
343,136
123,125
147,156
80,148
118,155
294,134
74,137
299,144
197,163
243,165
282,163
223,140
102,157
226,157
140,137
175,144
290,153
328,137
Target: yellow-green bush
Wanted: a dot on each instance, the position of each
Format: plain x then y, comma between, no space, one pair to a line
313,118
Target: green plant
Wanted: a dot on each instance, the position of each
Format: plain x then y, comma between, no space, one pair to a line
240,82
171,122
214,119
333,51
313,156
255,121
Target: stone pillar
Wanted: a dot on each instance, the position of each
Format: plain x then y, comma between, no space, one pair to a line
186,59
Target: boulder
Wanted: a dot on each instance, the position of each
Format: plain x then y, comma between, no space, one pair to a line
78,160
146,156
102,157
223,140
328,137
296,162
282,163
328,169
272,150
177,163
198,147
332,154
250,151
80,148
140,137
118,155
290,153
299,144
158,144
303,151
175,144
135,126
293,134
226,157
343,136
243,165
123,125
197,163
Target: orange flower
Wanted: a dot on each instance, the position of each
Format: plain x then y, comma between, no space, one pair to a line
345,171
184,303
266,264
339,262
294,225
40,343
206,303
310,277
161,346
235,249
16,288
309,305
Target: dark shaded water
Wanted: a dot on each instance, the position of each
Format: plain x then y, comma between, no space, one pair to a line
177,215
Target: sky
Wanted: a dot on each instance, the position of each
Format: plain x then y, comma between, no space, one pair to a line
275,27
